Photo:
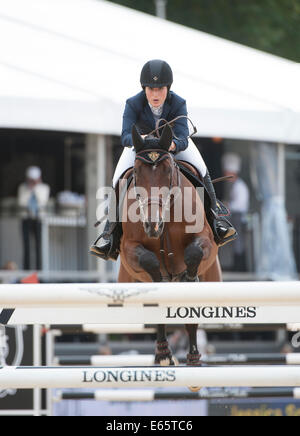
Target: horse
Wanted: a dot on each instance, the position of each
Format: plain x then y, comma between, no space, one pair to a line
154,249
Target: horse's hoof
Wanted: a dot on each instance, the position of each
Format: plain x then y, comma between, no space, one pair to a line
195,388
194,360
165,362
174,361
168,361
163,355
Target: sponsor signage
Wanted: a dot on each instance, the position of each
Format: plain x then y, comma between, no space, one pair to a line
128,376
208,312
153,314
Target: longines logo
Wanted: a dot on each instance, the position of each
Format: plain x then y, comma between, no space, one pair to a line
128,375
209,312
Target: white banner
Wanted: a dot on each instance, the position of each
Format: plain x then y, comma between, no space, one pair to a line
162,314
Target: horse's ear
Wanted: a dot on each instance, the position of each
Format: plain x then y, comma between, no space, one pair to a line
166,138
137,140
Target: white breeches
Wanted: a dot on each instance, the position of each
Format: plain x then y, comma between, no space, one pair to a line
191,155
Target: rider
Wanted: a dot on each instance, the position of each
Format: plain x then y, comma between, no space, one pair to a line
153,103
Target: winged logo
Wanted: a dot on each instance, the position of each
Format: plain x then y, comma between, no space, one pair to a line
153,156
117,296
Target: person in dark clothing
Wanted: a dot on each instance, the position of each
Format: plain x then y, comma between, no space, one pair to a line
33,196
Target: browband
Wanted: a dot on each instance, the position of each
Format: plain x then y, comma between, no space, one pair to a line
152,156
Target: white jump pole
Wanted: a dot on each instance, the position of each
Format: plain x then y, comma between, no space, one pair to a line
109,361
219,294
146,395
155,377
149,359
117,395
107,328
151,303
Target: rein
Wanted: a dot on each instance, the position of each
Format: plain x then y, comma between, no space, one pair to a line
171,125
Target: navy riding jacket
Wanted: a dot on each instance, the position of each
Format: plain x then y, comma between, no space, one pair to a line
137,111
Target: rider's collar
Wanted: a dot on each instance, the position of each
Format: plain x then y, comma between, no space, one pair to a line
157,110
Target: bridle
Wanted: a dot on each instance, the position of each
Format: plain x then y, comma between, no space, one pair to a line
154,157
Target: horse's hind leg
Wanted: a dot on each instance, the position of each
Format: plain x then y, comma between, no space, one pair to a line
163,354
193,358
124,276
214,273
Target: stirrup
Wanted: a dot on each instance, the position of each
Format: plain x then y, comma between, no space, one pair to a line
231,234
229,238
112,252
110,255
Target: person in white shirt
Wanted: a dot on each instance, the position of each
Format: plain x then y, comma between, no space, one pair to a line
238,198
33,197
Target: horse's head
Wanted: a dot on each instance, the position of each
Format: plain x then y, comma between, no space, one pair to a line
153,175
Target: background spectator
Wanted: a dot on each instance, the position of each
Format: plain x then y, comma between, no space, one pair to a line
33,197
237,197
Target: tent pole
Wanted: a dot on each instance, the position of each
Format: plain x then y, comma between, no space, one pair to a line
161,8
281,171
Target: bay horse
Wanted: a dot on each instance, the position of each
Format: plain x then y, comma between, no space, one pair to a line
155,249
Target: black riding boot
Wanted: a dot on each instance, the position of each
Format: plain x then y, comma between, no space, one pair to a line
109,248
223,230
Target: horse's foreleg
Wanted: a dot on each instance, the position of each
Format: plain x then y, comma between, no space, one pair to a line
163,354
141,262
193,255
149,262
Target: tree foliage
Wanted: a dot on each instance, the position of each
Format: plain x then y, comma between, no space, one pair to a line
269,25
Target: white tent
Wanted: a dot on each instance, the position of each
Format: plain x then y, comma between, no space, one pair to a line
70,65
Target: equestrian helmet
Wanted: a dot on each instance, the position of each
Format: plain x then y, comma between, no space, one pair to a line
156,74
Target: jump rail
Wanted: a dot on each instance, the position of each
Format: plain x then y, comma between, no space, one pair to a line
151,328
144,395
154,377
106,328
149,360
151,303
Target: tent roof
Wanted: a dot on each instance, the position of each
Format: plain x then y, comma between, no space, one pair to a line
70,65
